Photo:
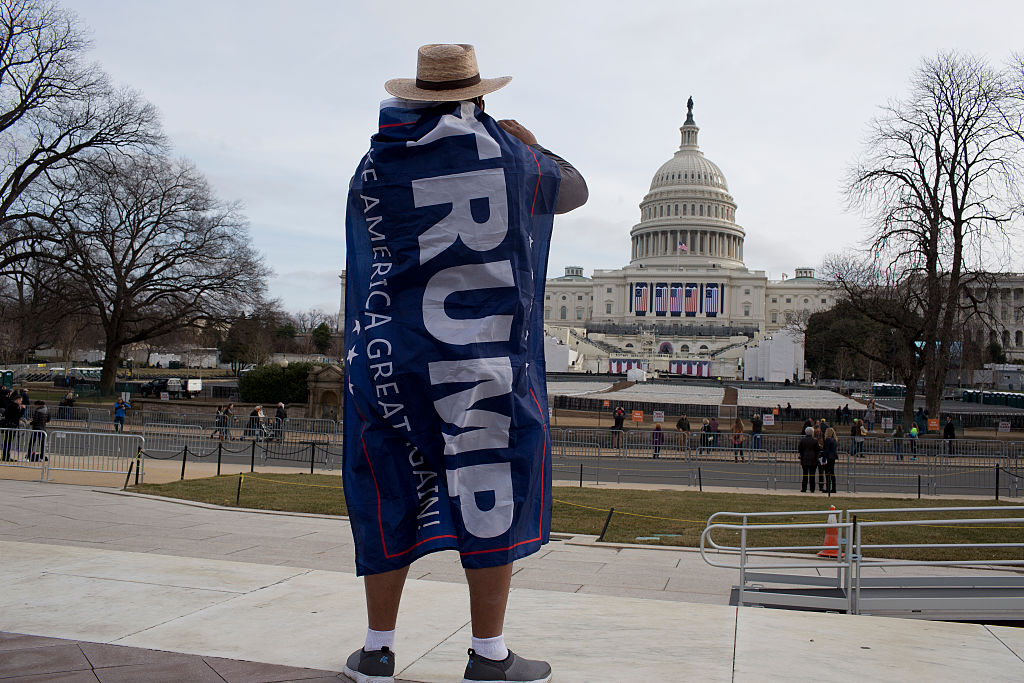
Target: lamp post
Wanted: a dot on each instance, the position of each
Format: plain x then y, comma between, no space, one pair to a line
284,369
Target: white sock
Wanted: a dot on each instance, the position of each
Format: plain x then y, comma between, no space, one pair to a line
491,648
376,640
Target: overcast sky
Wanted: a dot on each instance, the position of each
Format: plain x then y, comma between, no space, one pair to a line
275,102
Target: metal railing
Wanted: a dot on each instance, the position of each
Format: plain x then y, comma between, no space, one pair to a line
233,428
849,590
94,452
24,449
770,461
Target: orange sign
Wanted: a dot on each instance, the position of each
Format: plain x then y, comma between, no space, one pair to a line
775,411
638,416
606,403
933,424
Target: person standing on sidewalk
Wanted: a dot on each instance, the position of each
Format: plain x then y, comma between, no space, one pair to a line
829,455
756,427
38,421
737,440
280,415
897,440
657,438
809,450
620,417
120,410
949,434
448,227
12,413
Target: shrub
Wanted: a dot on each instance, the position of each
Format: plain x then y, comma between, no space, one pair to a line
271,383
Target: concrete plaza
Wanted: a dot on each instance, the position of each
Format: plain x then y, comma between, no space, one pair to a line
255,596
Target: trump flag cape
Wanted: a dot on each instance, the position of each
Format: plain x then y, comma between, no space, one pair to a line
446,422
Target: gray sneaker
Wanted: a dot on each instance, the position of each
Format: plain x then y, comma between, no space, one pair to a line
375,666
512,668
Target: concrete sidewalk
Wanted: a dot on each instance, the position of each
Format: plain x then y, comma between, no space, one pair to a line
93,566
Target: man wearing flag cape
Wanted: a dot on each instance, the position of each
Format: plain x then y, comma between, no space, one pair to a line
448,226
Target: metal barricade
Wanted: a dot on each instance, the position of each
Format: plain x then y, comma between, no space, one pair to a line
167,441
69,416
587,443
23,449
969,464
309,429
93,452
99,419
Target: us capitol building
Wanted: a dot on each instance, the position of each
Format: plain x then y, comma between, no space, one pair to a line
686,303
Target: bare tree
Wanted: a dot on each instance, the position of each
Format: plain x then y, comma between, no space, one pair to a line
253,336
307,321
55,110
36,304
154,250
940,182
889,305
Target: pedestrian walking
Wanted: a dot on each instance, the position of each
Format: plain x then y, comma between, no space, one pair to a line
913,441
229,419
869,416
898,437
220,425
453,203
713,429
254,427
809,450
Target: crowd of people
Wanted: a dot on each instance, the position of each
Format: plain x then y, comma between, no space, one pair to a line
258,426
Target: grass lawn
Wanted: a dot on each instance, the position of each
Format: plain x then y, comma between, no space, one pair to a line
667,517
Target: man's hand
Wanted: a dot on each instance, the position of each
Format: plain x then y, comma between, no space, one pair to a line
515,129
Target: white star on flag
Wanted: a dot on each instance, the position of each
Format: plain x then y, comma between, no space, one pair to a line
351,354
355,328
350,389
531,241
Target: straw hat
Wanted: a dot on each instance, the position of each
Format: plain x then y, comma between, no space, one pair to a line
445,73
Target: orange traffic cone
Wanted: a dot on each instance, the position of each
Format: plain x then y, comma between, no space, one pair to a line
831,537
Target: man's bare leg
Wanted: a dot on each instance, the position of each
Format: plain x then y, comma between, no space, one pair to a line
488,597
383,595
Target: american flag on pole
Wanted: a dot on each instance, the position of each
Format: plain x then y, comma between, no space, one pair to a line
661,298
682,247
675,299
640,294
691,301
711,299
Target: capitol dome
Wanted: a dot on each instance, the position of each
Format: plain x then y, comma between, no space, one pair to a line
688,216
